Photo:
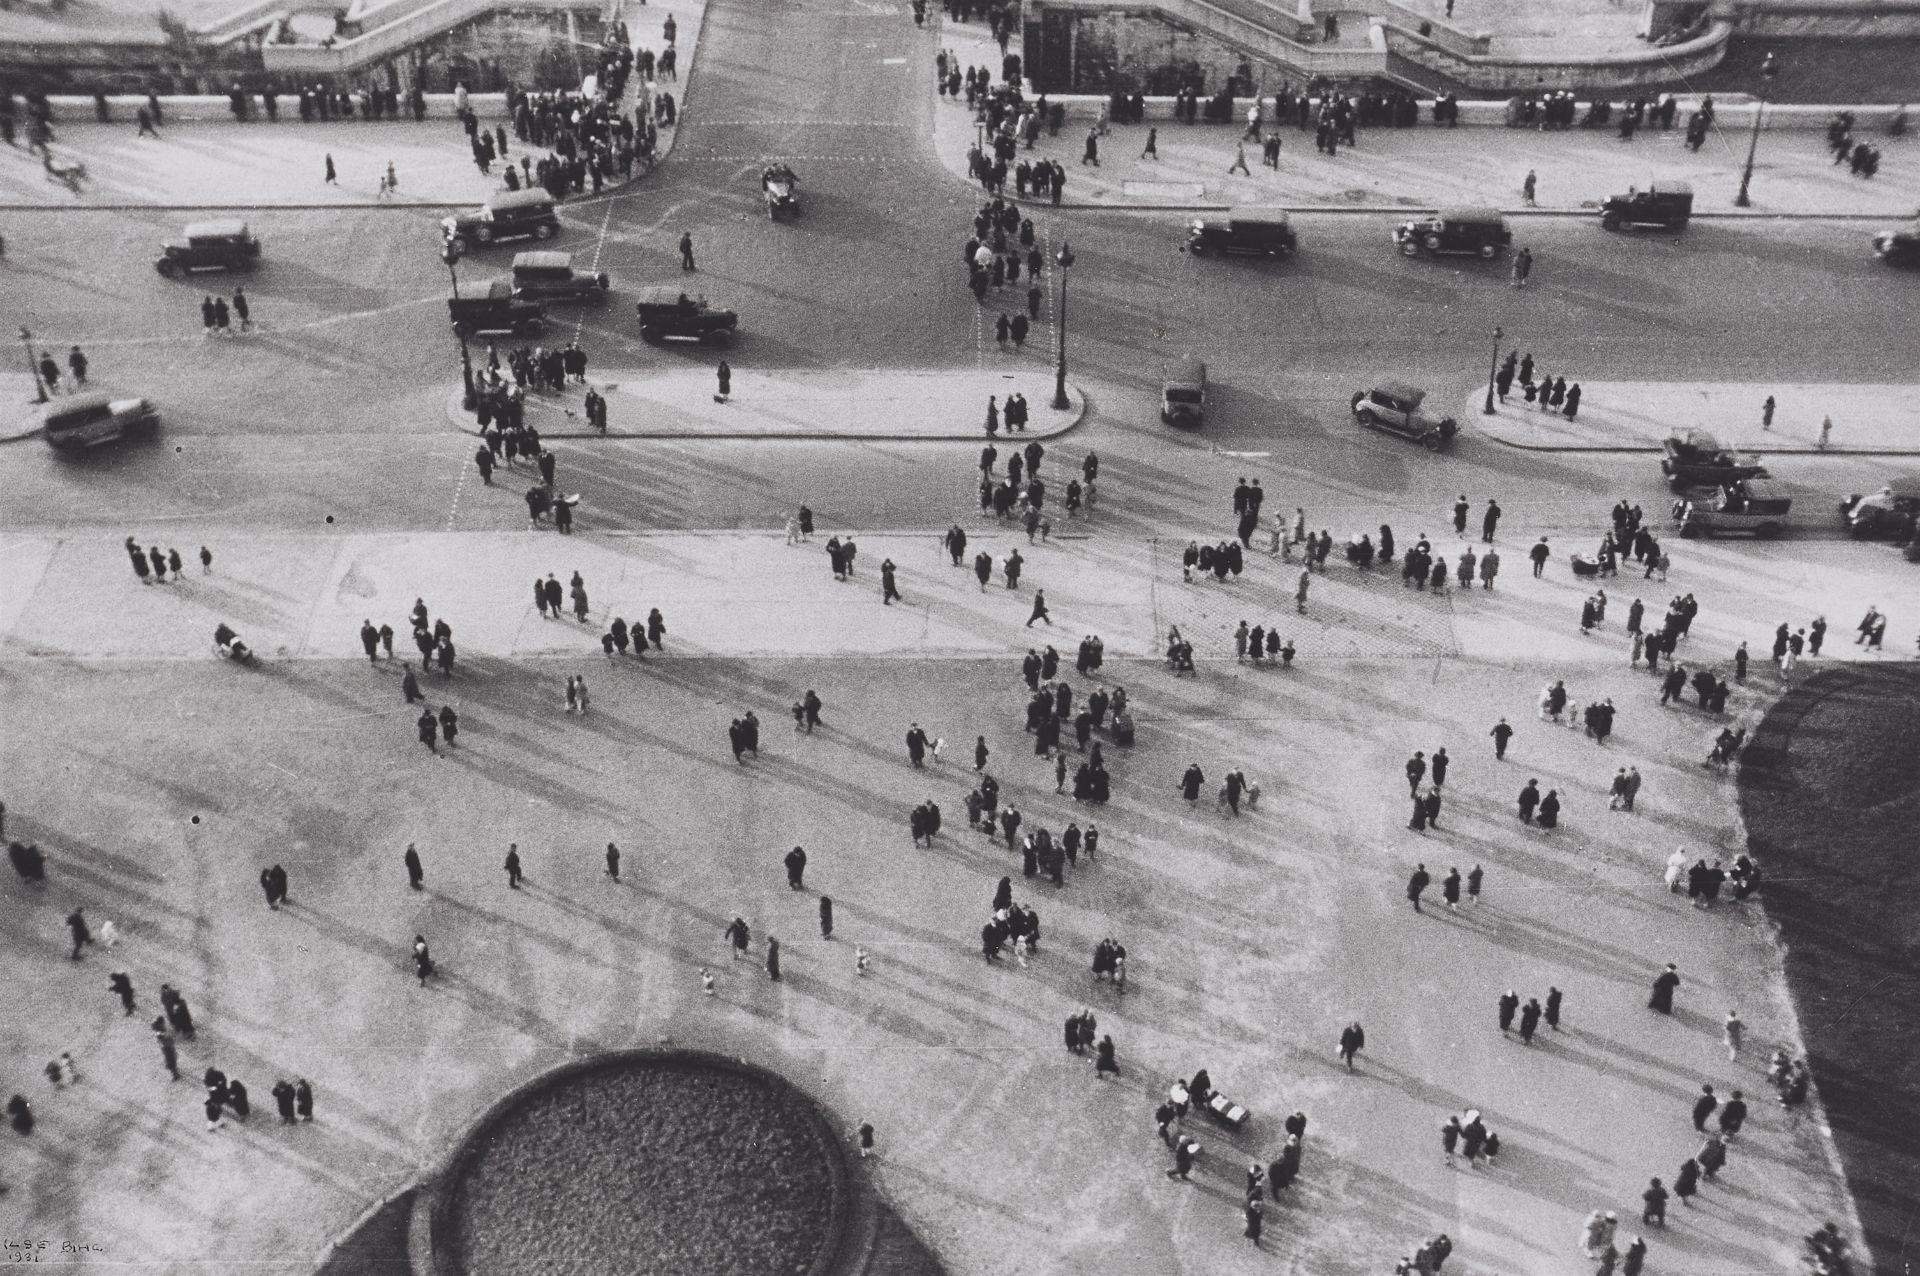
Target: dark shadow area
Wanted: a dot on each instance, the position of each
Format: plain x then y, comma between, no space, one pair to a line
378,1247
896,1250
1830,790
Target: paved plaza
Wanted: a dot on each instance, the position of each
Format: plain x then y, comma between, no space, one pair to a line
325,462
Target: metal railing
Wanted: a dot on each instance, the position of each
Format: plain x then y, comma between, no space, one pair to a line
396,37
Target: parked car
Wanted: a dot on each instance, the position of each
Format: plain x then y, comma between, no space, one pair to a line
781,189
505,215
1696,459
1888,514
77,421
1394,407
671,312
1752,508
215,245
549,276
1899,246
1183,396
1251,231
498,309
1664,204
1482,231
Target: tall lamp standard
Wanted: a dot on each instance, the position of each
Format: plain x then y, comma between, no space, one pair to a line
450,255
1768,69
39,386
1493,370
1060,401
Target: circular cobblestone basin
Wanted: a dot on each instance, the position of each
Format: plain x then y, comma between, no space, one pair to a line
646,1166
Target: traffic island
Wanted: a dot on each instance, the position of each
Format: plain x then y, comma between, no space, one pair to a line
1639,416
674,1161
868,404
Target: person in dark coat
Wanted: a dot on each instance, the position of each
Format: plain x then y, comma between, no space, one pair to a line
449,724
1687,1182
1282,1172
826,917
303,1099
796,862
1417,884
1353,1039
1509,1004
1191,781
1703,1107
283,1100
1663,987
1529,799
773,959
1104,1062
1549,816
415,874
512,866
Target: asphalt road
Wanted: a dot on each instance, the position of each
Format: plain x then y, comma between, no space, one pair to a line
332,414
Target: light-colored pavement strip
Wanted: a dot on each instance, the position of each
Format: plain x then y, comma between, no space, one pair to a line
789,404
1640,415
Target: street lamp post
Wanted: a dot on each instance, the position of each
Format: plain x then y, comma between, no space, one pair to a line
1768,69
39,386
1493,371
1060,401
450,255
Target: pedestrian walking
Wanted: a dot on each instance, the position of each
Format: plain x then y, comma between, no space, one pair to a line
1552,1009
1152,149
1528,184
723,376
1731,1032
796,862
1663,988
1522,267
1474,878
1039,606
1417,885
773,959
415,874
686,250
303,1099
1353,1039
333,178
512,866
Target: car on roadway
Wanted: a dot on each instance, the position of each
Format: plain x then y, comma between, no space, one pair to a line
215,245
667,311
77,421
1888,514
1899,246
1183,395
1668,205
1248,231
498,309
520,214
781,189
1479,231
550,276
1742,507
1697,459
1393,407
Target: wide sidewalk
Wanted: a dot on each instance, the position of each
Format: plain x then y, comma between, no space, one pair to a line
1641,415
227,165
299,598
847,403
1426,167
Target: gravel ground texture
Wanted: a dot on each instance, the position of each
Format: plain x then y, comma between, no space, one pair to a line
666,1166
1830,790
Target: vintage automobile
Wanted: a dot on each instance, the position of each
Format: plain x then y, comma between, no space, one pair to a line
1888,514
217,245
505,215
1899,246
671,312
781,189
1183,395
498,309
1696,459
1664,204
1456,230
1394,407
1251,231
1738,507
549,276
92,419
